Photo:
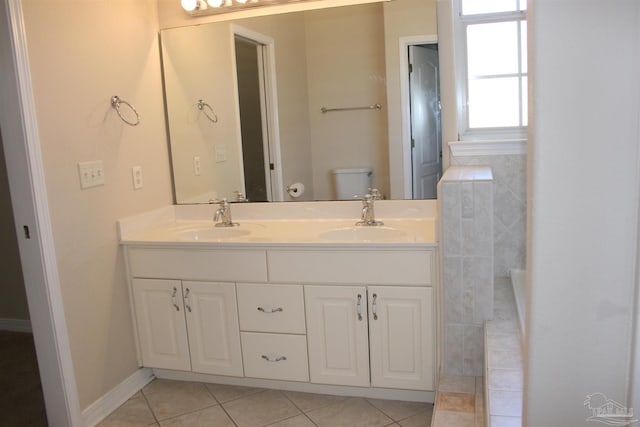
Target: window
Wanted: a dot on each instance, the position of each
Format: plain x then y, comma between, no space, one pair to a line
492,34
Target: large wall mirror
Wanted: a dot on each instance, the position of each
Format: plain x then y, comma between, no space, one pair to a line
257,105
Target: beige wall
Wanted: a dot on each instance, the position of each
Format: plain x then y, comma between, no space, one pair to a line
82,53
199,63
346,69
402,18
13,299
288,32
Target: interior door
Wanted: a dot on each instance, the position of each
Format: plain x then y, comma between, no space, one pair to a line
253,121
426,153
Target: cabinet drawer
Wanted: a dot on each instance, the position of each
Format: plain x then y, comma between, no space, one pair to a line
192,264
387,267
271,308
275,356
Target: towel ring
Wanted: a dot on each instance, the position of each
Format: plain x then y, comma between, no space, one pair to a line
201,107
116,102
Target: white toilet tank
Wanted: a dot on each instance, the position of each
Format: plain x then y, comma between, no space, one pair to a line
351,183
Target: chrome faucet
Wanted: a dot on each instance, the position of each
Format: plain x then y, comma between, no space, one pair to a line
368,215
222,216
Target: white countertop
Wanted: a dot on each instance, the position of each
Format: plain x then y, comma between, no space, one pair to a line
193,226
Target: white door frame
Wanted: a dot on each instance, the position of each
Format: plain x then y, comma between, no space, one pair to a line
30,208
405,99
271,103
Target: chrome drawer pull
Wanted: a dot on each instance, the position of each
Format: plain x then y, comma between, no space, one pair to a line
173,298
374,307
187,301
277,359
359,307
273,310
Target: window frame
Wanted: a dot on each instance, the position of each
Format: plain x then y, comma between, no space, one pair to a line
461,22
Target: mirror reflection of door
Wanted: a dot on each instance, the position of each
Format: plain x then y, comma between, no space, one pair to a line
426,153
253,123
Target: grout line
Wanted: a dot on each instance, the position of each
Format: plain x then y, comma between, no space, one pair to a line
144,396
284,393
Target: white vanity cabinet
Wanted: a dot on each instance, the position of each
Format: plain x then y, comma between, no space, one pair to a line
337,333
274,344
161,324
371,335
360,317
186,325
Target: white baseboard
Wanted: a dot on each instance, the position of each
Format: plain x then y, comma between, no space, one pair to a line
108,403
15,325
305,387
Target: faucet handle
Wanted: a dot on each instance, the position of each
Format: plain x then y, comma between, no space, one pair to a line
375,193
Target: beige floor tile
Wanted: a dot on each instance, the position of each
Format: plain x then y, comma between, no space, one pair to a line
134,412
349,413
213,416
398,410
457,384
453,419
259,409
309,401
225,393
169,399
297,421
480,410
456,402
506,403
421,419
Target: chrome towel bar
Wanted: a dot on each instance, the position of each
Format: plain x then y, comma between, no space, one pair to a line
376,107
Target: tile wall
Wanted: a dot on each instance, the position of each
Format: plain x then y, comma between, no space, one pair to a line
465,196
509,198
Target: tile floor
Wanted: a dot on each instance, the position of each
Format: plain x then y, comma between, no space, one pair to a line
504,360
178,403
459,402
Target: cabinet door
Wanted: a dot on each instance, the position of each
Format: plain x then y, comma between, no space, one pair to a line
214,333
337,334
161,324
401,321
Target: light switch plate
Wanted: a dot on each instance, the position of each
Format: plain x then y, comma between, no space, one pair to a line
196,165
136,174
91,174
221,153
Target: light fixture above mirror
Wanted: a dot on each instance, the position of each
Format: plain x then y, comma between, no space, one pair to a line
211,7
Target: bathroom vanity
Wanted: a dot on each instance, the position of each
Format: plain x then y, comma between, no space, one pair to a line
315,301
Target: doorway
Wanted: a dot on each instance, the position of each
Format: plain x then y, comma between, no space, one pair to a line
258,115
426,133
23,402
255,143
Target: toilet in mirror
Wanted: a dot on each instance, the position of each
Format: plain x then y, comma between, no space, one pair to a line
320,101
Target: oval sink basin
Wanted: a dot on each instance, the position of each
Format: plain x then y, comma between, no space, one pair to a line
362,234
209,234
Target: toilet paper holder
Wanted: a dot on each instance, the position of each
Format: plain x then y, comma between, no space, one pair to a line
296,189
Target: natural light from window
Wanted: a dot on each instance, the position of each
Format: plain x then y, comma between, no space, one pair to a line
496,61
